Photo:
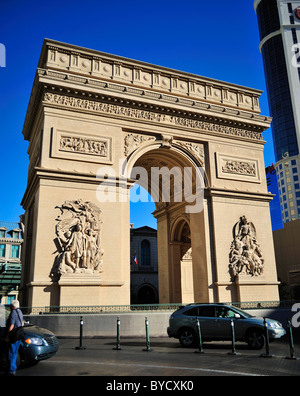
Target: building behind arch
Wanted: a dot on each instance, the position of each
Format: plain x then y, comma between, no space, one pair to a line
143,265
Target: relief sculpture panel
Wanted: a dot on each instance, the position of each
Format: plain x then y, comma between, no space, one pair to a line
78,239
245,254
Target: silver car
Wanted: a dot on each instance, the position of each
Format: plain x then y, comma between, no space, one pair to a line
215,324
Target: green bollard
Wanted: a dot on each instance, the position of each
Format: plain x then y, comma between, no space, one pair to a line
148,349
118,345
267,354
80,347
199,337
233,352
292,347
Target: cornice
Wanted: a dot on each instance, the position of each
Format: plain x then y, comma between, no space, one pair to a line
90,84
198,116
95,76
234,194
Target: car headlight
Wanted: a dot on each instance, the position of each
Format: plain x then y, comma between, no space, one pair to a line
274,325
34,341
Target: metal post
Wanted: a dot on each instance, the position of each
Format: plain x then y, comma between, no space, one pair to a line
80,347
292,348
118,345
148,349
199,337
233,352
267,354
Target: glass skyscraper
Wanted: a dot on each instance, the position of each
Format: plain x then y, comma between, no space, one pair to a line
279,28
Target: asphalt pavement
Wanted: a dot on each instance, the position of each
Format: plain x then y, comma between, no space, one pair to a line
163,362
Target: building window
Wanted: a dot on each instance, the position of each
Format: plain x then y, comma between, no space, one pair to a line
297,186
2,233
2,250
145,252
15,249
15,234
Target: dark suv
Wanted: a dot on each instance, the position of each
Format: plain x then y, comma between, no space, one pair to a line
215,324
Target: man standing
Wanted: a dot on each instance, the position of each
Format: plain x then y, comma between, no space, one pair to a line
14,320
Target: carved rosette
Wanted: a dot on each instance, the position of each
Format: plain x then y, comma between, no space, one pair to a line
78,239
245,254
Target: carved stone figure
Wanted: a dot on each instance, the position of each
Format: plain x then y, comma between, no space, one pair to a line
245,254
78,239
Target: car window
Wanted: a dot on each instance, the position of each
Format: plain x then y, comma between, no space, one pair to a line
224,312
191,312
207,312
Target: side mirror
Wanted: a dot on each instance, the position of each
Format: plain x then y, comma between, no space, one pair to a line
237,316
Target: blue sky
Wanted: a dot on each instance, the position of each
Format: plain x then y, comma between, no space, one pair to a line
214,39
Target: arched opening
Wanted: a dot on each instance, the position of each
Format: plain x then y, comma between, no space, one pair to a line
181,262
147,295
163,172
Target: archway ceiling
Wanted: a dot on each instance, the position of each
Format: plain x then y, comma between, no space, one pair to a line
168,158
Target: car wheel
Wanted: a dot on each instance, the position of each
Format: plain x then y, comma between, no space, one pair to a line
256,339
187,338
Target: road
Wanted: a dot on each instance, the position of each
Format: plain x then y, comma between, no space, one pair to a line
166,358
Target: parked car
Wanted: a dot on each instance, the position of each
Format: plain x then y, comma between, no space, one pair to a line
215,324
38,344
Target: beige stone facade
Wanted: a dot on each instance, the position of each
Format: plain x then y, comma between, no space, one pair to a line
287,253
93,119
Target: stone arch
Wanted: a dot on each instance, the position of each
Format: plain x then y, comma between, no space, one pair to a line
152,117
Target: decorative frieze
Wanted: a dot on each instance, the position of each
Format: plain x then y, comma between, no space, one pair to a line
83,145
146,115
239,168
229,167
79,147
